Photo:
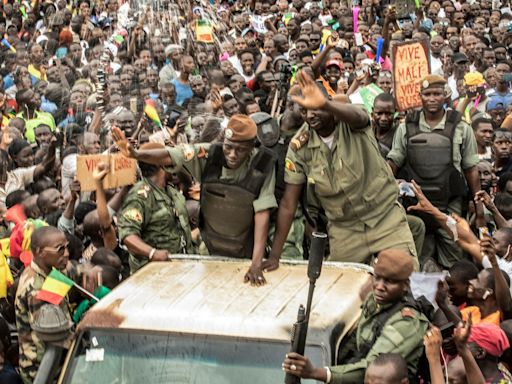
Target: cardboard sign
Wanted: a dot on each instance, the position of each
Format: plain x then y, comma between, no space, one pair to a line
411,63
123,171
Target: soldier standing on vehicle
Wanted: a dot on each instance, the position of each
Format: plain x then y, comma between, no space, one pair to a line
154,223
391,322
438,150
337,155
237,189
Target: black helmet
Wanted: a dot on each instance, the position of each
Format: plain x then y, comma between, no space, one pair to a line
268,129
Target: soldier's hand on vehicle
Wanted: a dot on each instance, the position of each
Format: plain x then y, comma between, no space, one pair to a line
298,365
424,205
161,255
432,342
255,276
100,171
122,143
312,97
270,264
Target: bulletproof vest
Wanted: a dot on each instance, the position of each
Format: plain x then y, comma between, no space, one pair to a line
430,160
226,218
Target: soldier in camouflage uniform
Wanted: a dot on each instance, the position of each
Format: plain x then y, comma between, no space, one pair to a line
154,223
391,322
49,248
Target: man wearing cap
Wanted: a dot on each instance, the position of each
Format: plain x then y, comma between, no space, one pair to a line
237,189
438,150
390,322
332,75
476,98
460,68
497,107
168,72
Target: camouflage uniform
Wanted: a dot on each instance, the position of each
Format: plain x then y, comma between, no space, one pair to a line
159,217
402,333
32,349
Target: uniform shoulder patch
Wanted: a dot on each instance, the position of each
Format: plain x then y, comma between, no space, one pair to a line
289,165
299,140
133,214
188,152
408,312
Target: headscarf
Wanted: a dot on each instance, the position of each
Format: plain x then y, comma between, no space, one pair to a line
490,338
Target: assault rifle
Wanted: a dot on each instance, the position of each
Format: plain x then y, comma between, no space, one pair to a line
300,328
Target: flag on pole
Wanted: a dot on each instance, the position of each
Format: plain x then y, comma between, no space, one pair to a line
151,112
55,287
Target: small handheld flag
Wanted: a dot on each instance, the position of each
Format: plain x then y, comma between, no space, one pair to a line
55,287
8,45
151,112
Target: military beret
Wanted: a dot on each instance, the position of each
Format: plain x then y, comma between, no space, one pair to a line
240,128
432,81
394,264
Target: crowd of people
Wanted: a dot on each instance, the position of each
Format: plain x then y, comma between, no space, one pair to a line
251,126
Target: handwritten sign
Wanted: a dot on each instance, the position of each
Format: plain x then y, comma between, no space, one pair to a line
410,64
258,23
123,171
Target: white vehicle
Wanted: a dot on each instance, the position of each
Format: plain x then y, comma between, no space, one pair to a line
193,320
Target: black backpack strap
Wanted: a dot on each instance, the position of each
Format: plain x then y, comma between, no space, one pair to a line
452,119
412,124
263,163
214,163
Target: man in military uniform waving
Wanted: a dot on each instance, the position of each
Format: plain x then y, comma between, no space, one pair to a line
391,322
337,155
237,189
153,223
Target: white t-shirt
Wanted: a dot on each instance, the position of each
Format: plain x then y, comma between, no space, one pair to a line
19,178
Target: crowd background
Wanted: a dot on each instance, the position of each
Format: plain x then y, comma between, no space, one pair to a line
91,77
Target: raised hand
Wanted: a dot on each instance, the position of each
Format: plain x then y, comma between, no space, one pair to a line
312,97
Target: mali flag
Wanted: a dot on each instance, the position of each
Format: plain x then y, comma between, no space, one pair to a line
152,113
55,287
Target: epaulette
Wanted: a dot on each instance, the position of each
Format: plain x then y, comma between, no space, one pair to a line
144,191
299,140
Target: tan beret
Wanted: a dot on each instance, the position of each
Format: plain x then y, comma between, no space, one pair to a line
432,81
240,128
394,264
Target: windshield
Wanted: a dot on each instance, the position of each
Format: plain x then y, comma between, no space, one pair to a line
122,357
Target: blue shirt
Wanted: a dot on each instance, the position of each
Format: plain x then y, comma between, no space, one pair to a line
183,92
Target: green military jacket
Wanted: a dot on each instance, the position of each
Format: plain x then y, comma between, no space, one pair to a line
32,348
402,333
465,152
351,181
192,158
159,217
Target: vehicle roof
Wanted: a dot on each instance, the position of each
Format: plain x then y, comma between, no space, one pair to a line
207,296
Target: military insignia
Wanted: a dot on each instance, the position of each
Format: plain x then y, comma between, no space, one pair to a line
143,192
289,165
407,312
188,152
425,84
133,214
202,153
299,140
228,134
